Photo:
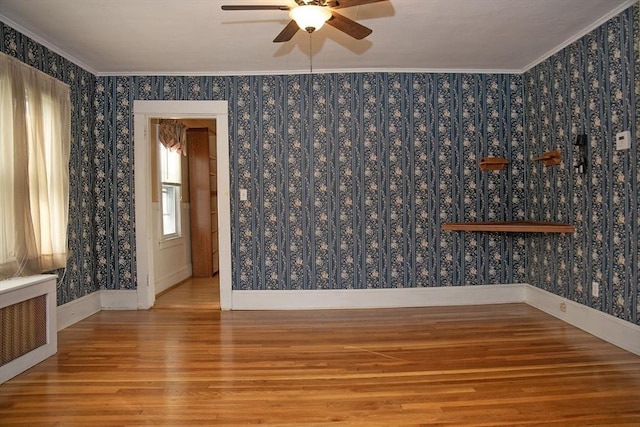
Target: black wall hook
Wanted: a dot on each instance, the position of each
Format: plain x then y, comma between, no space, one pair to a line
580,163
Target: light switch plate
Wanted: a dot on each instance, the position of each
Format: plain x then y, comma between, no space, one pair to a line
623,140
243,194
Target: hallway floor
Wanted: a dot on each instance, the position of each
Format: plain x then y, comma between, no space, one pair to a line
201,293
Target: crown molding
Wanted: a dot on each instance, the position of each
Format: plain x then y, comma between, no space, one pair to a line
577,36
46,44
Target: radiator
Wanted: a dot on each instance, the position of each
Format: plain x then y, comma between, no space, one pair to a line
27,323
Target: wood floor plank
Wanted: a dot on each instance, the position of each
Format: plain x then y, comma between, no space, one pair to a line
186,363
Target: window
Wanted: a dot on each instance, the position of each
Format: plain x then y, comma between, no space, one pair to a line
171,186
35,140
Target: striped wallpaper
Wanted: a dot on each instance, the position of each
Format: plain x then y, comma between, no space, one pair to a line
593,88
351,176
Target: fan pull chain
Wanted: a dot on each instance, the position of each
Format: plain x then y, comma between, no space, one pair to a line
310,56
311,87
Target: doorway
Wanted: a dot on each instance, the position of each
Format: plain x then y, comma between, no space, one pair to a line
144,111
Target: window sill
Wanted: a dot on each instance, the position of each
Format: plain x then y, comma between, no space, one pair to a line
171,242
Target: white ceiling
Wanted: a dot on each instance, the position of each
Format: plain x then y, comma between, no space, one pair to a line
183,37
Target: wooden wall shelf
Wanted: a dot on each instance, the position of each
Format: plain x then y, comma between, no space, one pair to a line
511,227
493,163
550,158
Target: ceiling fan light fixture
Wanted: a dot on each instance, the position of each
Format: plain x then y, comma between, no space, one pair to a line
310,17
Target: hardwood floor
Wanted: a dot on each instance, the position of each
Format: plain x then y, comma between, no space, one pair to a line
197,293
186,363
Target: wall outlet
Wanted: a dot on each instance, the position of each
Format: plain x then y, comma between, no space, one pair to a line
623,140
595,289
563,307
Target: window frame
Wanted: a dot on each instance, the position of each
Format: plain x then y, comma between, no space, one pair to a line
175,184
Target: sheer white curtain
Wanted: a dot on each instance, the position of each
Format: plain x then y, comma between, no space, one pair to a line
35,139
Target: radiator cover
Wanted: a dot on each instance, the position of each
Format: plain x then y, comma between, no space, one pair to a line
27,323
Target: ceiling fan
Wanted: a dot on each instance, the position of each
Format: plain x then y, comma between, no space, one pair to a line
310,15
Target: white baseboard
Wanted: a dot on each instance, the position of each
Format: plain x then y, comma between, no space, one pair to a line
604,326
171,280
616,331
376,298
119,300
81,308
78,309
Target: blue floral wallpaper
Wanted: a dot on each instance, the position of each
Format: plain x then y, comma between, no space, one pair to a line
114,184
79,277
351,176
593,88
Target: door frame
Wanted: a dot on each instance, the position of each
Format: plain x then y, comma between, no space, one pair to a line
143,112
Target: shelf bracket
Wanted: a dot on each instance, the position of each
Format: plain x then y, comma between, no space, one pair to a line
493,163
550,158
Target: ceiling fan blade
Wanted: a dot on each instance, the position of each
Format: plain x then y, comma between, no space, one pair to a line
255,7
349,26
341,4
289,31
